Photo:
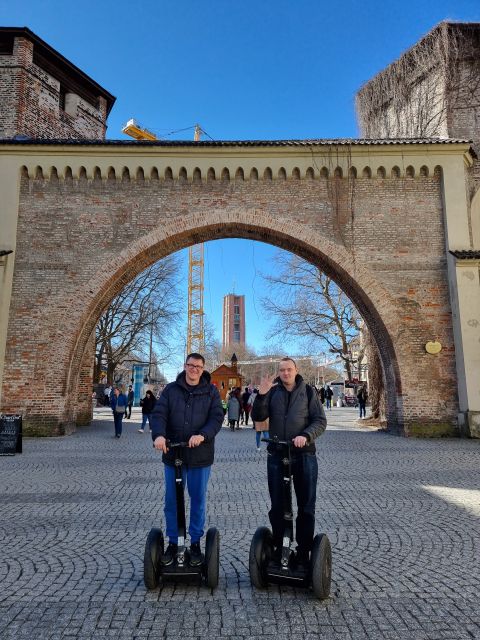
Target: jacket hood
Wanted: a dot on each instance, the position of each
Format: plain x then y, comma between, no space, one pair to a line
298,380
204,379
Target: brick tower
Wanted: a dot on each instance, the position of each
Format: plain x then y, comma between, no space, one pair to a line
43,95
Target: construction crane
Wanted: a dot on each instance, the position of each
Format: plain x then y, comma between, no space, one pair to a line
195,327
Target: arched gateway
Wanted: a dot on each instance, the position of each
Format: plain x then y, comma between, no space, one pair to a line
378,216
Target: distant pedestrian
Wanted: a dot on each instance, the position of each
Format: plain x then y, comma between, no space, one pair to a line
329,396
261,431
233,410
147,403
362,397
118,403
322,395
106,395
130,400
246,407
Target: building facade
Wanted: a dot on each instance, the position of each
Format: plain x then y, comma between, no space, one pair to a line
233,321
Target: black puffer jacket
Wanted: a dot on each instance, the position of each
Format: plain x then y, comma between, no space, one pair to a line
291,414
181,413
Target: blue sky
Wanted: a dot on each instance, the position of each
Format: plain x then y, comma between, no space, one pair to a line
243,70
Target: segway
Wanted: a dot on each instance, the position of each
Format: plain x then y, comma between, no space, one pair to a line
153,571
264,568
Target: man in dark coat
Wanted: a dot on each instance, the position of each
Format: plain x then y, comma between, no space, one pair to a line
295,415
189,410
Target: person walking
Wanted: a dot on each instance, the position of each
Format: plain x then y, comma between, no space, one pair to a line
295,415
147,403
106,395
362,397
118,404
261,431
130,399
233,410
189,410
246,406
329,396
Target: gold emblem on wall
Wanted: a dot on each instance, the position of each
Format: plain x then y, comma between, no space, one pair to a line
433,347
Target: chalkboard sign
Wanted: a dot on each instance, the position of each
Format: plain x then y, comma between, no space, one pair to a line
10,435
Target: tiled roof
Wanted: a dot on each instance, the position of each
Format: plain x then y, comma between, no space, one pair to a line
472,254
240,143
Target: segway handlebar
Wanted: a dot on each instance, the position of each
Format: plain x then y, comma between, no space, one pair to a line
176,445
275,440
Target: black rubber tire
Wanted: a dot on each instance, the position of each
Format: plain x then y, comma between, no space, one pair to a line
151,559
260,552
212,558
321,566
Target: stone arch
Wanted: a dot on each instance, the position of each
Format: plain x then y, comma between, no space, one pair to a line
125,174
324,172
352,172
168,174
154,174
197,175
53,174
211,175
368,295
38,173
310,173
395,172
111,176
367,172
410,171
97,174
381,173
68,173
182,175
82,174
296,173
438,171
239,175
254,174
225,175
282,174
140,175
267,174
423,171
338,173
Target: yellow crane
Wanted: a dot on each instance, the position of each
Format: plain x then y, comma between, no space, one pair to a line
195,327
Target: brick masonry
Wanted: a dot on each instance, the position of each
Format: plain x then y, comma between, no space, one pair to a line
81,238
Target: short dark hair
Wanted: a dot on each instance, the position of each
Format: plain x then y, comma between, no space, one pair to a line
291,360
195,356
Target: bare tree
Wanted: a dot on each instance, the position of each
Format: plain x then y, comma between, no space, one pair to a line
140,315
308,304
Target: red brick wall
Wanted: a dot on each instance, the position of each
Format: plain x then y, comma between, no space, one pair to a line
30,102
80,241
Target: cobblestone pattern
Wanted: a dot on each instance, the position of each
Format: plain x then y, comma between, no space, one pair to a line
402,516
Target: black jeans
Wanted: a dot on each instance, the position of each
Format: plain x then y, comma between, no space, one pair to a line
305,474
128,411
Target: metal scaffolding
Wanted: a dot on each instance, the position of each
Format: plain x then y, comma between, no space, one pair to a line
195,332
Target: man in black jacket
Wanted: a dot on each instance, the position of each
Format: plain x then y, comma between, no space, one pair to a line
189,410
295,415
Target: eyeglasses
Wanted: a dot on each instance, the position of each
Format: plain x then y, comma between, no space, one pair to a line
197,367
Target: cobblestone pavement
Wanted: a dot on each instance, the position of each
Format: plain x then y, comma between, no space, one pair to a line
402,515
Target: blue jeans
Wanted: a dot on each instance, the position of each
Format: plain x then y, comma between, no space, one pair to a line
259,435
305,474
196,480
361,406
329,403
117,421
145,418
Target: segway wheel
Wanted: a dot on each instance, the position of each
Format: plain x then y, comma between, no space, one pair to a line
321,565
260,552
151,559
212,558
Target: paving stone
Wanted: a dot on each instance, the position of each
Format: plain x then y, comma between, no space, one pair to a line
401,514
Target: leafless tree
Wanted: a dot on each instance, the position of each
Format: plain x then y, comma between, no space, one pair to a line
142,312
308,304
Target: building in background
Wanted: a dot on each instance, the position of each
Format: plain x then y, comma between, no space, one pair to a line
233,320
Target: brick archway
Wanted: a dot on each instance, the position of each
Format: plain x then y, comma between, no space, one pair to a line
83,234
374,305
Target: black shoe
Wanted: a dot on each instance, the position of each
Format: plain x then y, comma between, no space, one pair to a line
196,557
169,555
